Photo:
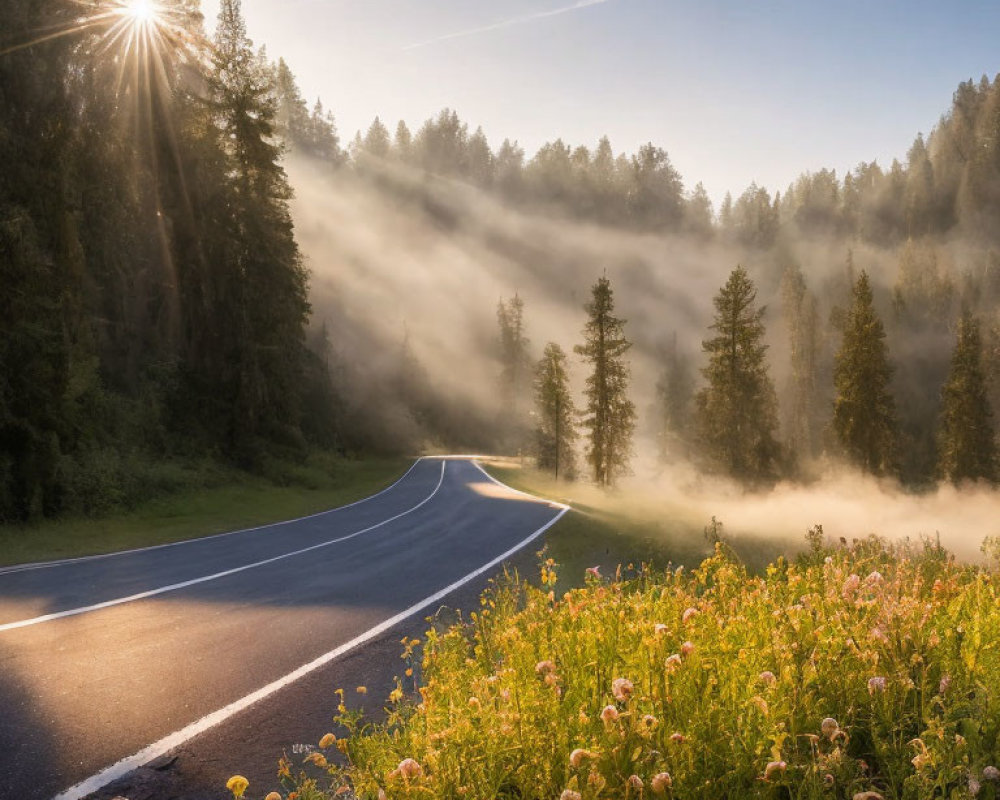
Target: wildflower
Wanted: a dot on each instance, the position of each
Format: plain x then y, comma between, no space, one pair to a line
973,787
767,678
635,782
773,767
622,689
673,661
677,738
688,615
273,796
850,585
381,794
661,782
594,572
551,679
828,780
609,714
761,704
829,727
873,579
569,794
237,785
577,757
317,758
659,629
649,721
408,768
922,758
473,703
876,684
544,667
362,690
867,796
327,741
991,773
879,635
687,649
944,684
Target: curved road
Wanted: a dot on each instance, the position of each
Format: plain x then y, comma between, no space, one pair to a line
107,663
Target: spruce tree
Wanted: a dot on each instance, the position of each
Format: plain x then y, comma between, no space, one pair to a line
675,392
555,431
514,358
610,415
967,445
864,412
737,411
802,322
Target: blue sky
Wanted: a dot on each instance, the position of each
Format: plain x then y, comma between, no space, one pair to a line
734,91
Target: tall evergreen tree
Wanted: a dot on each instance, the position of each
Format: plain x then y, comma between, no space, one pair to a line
268,280
514,358
675,392
610,415
555,431
737,410
864,412
802,322
967,441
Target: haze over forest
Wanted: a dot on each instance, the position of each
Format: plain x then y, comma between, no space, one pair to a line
199,266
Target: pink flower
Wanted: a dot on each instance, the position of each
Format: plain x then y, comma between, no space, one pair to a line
609,714
991,774
673,661
829,727
635,782
687,649
850,585
576,758
659,629
545,667
409,768
876,684
873,579
767,678
661,782
677,738
569,794
688,615
944,684
594,572
622,689
773,767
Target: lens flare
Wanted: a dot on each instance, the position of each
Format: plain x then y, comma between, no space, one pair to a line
141,12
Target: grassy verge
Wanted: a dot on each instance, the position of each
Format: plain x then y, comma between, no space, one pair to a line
866,672
226,500
609,529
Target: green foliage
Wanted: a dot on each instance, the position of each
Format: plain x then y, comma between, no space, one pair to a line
863,672
555,430
610,415
737,410
675,395
864,411
967,439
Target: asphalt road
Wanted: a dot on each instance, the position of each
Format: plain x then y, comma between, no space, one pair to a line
105,658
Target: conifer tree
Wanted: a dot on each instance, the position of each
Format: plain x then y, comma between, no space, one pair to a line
802,321
610,415
675,392
737,411
967,443
555,431
516,364
864,412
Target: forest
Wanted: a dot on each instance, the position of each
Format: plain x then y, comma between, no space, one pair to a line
197,268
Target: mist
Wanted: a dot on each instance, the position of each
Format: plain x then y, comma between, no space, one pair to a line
398,256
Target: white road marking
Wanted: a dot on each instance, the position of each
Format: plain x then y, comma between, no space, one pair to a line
168,743
24,623
79,559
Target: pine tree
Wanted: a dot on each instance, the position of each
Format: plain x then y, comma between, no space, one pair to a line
266,298
675,391
802,322
864,412
737,411
610,415
555,431
514,358
967,443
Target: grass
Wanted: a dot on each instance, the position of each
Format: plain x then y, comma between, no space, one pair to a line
867,672
608,529
230,500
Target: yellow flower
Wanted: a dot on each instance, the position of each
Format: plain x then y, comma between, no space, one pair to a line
362,690
237,785
327,741
273,796
396,695
317,758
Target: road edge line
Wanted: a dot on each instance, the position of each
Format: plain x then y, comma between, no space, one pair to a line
36,565
126,765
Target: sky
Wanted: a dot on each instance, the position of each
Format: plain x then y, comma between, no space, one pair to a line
735,91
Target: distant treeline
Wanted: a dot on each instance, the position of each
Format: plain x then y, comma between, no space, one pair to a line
154,305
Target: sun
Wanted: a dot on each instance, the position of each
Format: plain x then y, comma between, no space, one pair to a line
140,12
